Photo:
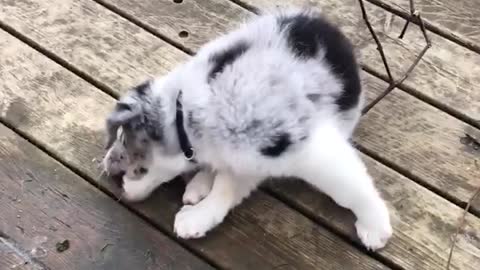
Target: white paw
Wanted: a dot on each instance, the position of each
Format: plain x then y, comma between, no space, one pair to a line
135,191
376,235
195,221
197,189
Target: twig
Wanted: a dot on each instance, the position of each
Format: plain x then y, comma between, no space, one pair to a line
415,15
412,12
105,247
377,41
461,224
404,29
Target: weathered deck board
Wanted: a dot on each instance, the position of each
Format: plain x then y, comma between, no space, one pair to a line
43,203
93,39
424,222
68,120
456,20
429,141
201,19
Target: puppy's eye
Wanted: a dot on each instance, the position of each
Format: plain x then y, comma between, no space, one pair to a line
122,157
140,171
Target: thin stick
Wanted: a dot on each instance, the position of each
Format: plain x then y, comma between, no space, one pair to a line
422,27
412,15
412,7
377,41
398,82
404,29
461,224
415,15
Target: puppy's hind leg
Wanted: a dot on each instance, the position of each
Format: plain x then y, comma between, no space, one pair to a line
332,165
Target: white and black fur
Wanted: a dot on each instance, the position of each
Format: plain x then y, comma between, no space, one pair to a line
278,97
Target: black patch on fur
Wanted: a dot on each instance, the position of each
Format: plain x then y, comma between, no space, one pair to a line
308,34
142,88
227,57
278,145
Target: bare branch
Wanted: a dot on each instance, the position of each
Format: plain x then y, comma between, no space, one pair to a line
377,41
461,224
415,15
412,13
404,29
412,7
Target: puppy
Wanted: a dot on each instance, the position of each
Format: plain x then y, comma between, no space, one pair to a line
278,97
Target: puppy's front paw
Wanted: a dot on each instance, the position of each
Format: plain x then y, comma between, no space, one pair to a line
135,190
198,188
374,235
195,221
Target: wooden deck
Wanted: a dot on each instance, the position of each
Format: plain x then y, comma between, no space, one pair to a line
62,62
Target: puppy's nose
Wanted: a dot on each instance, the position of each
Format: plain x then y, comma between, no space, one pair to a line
140,171
121,174
118,178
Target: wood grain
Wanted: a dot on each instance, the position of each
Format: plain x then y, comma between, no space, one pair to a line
201,19
456,20
43,204
424,142
93,39
66,115
424,222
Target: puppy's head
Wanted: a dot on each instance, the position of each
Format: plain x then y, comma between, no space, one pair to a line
142,139
134,129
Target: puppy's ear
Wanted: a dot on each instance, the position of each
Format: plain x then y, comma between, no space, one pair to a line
124,113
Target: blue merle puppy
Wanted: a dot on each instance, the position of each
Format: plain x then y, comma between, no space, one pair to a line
278,97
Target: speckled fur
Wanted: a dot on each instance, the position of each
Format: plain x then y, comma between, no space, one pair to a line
272,98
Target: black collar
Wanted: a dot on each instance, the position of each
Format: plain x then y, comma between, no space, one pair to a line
181,133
